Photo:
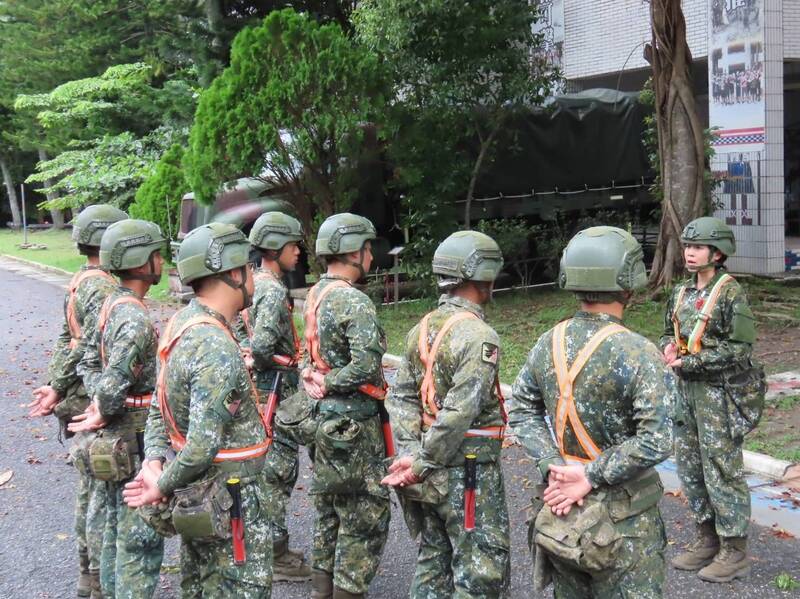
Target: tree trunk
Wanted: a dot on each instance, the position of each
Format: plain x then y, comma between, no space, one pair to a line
56,214
476,170
16,215
680,137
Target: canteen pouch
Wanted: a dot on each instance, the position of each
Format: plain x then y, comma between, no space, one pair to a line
295,415
745,393
585,538
111,458
337,467
159,518
542,573
201,511
79,452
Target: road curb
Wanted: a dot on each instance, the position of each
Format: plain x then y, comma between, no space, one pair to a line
756,463
38,265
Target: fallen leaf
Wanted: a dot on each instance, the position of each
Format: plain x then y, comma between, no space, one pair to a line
780,533
61,536
6,476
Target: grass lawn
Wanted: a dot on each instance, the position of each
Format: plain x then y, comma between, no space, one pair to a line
60,252
778,434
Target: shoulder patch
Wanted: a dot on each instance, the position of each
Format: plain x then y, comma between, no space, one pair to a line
489,353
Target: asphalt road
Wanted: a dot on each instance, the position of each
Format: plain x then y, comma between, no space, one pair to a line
37,556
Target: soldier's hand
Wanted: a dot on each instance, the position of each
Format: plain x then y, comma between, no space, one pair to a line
676,363
401,473
314,384
247,356
143,490
568,485
670,353
90,420
45,400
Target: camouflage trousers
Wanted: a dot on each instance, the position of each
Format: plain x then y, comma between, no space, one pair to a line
453,562
349,536
639,571
207,568
90,517
130,562
710,463
280,472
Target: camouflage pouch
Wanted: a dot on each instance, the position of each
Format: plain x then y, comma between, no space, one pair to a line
585,538
542,569
635,496
201,511
745,391
111,458
338,468
79,452
75,402
432,490
159,518
295,415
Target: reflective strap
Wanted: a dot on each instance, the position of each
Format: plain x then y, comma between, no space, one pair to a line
694,344
428,387
139,401
177,439
312,337
566,411
676,324
72,318
105,312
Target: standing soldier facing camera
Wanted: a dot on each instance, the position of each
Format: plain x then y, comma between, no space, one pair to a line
119,369
275,349
66,395
342,374
708,339
207,411
607,394
449,417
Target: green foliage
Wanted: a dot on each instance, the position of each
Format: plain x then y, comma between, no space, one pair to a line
292,108
786,582
159,198
512,235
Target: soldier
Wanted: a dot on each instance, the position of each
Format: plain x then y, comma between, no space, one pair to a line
607,393
207,411
446,405
119,371
275,349
342,372
66,395
708,338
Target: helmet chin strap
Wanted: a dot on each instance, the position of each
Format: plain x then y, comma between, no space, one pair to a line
359,265
247,299
701,267
150,277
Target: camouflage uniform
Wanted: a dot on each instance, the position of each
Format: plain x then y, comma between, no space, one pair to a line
90,502
351,527
451,561
207,376
708,454
132,551
271,320
622,395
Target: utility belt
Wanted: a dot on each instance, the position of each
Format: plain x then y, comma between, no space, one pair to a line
588,538
112,455
354,406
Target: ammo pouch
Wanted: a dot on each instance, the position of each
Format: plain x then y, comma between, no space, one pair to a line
201,511
159,518
745,391
587,538
111,457
79,452
295,415
337,467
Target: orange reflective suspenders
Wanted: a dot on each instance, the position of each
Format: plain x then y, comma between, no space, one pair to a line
72,318
313,302
427,389
565,408
177,439
694,343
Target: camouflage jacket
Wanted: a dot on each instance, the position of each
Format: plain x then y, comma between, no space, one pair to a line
464,374
727,342
624,396
351,340
270,319
209,394
128,343
89,297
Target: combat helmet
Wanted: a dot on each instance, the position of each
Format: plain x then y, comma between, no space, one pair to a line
90,224
602,263
273,230
130,243
708,230
215,249
343,233
467,256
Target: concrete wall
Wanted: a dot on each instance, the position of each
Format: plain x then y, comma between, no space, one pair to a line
791,29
